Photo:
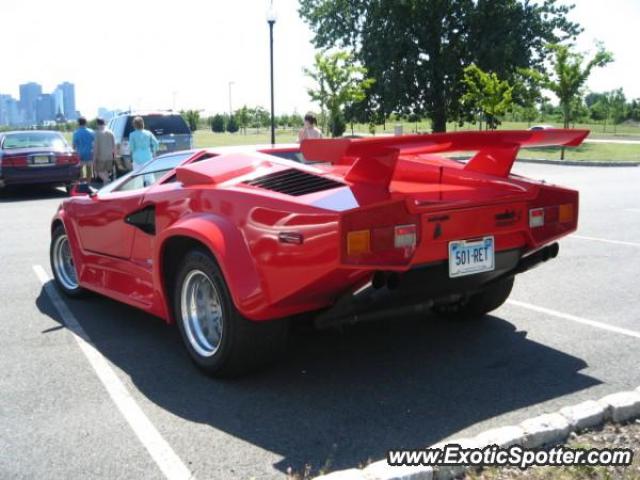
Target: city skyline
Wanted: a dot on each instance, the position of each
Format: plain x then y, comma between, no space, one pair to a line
36,107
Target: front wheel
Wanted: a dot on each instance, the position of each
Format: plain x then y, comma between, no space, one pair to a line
220,341
479,304
62,264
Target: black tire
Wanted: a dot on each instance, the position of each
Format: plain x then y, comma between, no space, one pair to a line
479,304
62,280
244,345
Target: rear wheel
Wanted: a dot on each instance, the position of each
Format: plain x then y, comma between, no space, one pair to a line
219,340
479,304
62,264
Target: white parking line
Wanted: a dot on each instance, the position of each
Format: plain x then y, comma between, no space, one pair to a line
605,240
573,318
161,452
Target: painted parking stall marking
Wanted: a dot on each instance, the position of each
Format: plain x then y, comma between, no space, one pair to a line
574,318
606,240
167,460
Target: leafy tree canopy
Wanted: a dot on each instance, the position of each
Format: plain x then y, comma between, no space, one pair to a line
417,50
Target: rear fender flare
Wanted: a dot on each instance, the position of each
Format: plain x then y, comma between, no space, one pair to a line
226,243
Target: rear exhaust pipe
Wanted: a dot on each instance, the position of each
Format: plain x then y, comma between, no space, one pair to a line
380,279
536,258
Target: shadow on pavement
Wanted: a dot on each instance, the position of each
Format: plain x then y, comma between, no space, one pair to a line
32,192
341,398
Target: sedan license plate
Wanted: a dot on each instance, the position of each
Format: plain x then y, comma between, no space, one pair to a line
467,257
162,147
40,159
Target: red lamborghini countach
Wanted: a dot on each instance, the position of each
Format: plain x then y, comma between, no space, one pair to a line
233,244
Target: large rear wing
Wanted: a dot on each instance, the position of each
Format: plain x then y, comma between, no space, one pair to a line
373,160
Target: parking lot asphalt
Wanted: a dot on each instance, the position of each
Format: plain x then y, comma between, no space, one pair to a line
338,398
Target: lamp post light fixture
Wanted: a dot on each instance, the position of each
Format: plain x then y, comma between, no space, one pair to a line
271,20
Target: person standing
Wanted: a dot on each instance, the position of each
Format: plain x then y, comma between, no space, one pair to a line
83,144
143,144
104,151
310,129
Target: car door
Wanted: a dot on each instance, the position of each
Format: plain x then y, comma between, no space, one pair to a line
102,219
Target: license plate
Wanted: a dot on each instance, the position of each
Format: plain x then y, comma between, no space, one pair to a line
162,147
467,257
40,160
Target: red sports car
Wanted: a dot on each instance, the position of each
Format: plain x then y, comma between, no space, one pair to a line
234,243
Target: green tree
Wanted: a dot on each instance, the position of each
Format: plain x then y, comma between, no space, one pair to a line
416,50
618,107
341,83
569,75
296,120
232,124
527,92
487,95
192,117
243,117
217,123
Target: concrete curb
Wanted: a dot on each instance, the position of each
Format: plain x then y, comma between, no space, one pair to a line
541,431
577,163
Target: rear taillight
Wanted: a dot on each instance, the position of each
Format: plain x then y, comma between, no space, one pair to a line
14,161
536,217
385,235
552,214
405,236
539,217
67,159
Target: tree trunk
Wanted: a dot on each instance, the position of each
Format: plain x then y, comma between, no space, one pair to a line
439,123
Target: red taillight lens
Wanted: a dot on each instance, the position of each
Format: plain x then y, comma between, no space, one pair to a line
67,159
14,161
385,235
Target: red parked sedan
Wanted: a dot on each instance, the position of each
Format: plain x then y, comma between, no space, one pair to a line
37,157
229,242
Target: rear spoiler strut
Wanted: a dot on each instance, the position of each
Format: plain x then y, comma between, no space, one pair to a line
373,160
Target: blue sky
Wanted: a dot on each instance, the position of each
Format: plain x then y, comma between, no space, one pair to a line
146,54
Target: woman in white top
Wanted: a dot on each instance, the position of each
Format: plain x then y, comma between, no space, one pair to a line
310,130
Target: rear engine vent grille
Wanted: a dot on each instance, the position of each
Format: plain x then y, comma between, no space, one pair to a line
294,182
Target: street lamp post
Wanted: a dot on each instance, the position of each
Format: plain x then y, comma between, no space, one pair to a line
271,20
230,107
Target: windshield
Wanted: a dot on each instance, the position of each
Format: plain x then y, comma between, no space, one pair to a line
161,125
149,174
34,140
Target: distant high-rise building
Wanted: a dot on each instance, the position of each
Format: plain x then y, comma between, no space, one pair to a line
29,93
58,99
69,99
45,108
9,111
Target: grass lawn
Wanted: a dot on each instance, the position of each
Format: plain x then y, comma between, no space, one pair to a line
588,151
597,130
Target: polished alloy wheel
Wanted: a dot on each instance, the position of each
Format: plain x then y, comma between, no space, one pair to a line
63,263
201,310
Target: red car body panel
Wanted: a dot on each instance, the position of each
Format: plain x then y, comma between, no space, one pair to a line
283,254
